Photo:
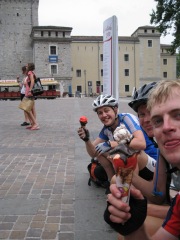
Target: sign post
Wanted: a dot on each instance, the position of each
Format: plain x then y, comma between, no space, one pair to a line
110,57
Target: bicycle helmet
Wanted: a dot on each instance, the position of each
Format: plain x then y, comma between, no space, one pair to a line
141,95
104,100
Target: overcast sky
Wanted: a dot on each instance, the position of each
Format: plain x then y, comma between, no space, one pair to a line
86,17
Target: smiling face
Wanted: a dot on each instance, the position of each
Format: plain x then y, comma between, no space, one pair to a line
145,120
165,117
107,115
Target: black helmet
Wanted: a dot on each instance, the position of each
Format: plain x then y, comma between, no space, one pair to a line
141,95
104,100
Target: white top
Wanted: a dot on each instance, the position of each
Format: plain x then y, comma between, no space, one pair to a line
23,89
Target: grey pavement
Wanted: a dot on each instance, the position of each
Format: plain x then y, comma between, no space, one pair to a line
44,192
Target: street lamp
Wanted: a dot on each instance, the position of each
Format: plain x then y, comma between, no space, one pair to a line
85,82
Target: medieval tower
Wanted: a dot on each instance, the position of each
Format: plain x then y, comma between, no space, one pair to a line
17,17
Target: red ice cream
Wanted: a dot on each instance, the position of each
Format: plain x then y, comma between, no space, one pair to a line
83,121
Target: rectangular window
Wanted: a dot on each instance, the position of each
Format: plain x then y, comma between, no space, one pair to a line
53,69
165,74
165,61
126,72
149,43
101,72
126,57
56,34
126,88
52,50
42,33
101,56
49,33
79,89
78,73
98,83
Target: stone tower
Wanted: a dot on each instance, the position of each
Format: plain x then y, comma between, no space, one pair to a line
17,17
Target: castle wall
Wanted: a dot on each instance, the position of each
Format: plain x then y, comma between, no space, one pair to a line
17,17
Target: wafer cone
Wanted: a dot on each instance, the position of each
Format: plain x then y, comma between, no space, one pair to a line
124,174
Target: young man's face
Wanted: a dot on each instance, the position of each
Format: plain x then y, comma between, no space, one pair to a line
165,119
145,120
107,115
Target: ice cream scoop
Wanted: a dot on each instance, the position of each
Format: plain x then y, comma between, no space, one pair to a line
121,134
83,121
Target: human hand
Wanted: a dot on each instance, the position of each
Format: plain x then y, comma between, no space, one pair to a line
83,134
119,210
30,94
122,217
103,147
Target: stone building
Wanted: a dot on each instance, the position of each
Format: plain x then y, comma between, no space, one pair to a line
142,59
17,17
77,61
52,53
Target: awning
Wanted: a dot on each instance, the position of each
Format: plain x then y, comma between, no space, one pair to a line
48,81
14,83
9,83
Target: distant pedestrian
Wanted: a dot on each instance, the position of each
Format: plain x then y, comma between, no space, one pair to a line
29,85
22,85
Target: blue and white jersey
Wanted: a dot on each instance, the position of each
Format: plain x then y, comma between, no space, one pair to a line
132,124
129,120
151,148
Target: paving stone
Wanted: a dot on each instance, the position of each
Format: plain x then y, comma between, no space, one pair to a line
6,226
17,235
34,232
49,235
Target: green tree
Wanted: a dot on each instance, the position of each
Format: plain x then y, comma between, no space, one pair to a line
166,18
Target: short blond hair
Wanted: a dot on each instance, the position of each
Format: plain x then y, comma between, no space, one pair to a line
162,91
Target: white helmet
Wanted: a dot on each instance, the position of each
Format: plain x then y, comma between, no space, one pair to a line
104,100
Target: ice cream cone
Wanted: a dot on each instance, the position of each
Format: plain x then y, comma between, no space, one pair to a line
124,174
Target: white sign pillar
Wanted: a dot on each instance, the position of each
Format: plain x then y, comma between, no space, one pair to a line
110,57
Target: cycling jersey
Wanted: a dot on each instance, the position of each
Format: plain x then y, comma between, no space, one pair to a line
129,120
172,221
132,124
151,146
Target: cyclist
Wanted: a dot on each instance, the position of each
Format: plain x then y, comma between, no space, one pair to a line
106,108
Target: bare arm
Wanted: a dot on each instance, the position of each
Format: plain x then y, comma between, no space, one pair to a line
138,142
90,146
142,234
146,187
32,81
157,210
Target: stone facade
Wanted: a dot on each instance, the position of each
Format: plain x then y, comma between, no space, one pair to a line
52,53
17,17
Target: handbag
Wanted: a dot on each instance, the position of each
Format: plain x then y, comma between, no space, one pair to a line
26,104
37,88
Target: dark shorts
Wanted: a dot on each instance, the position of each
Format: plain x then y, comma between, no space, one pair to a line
22,96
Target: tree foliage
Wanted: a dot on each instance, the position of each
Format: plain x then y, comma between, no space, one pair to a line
178,63
166,18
